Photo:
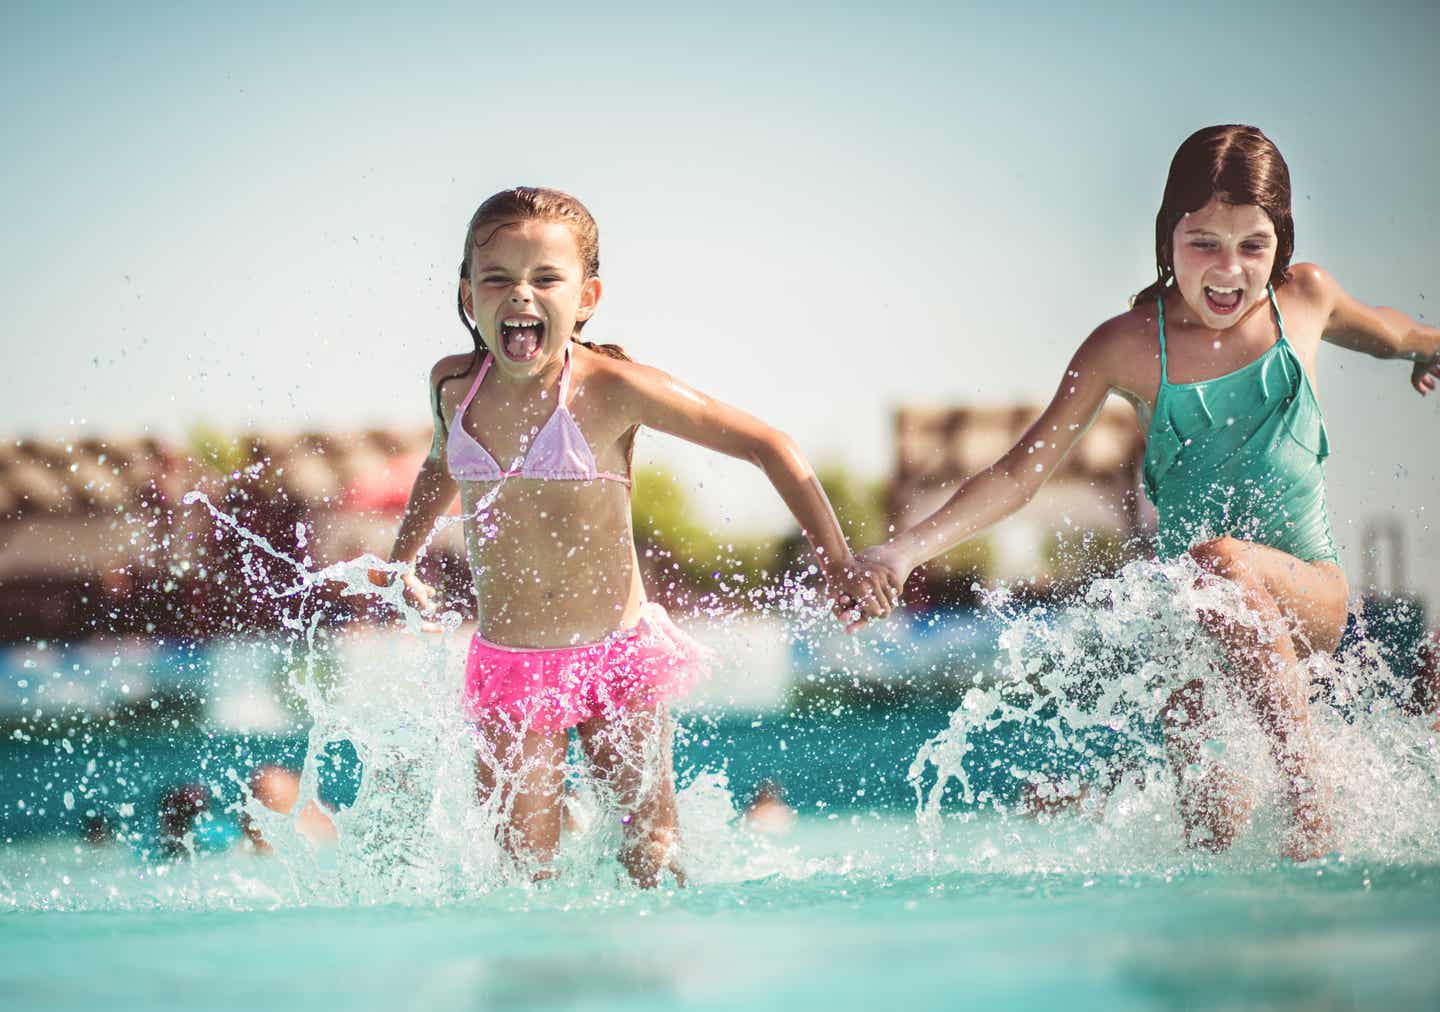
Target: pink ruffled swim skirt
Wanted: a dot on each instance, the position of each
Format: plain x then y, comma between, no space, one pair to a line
549,689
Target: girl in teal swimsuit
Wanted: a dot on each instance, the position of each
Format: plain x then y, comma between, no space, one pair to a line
1218,357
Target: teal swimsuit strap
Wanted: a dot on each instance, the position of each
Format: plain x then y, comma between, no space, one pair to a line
1279,320
1160,307
1289,353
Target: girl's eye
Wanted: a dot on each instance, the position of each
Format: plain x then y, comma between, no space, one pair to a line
493,279
548,279
1255,247
1203,244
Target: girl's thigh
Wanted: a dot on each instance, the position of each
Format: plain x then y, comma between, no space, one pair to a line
527,766
1313,595
630,751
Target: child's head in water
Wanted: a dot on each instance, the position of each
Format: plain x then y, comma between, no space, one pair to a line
1224,231
529,276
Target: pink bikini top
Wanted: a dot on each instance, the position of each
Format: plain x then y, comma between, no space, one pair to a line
559,453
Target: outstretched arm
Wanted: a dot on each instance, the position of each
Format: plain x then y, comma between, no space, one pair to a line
1375,330
998,491
433,492
661,402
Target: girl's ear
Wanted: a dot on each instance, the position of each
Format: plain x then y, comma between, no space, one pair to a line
589,296
467,299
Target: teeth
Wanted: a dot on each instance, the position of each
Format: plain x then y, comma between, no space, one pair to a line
1223,291
521,323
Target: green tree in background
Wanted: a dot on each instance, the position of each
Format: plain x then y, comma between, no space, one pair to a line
672,540
667,526
859,503
217,452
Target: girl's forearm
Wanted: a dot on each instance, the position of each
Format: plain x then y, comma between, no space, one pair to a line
1407,337
982,500
794,479
432,495
1421,343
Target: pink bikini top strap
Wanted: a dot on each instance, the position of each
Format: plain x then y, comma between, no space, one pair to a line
564,405
479,378
563,400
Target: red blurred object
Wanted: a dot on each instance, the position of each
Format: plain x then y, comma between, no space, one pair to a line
386,488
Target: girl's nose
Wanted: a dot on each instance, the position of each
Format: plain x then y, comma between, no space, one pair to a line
520,293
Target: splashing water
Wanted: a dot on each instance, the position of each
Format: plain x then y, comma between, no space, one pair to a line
1077,712
1053,762
414,831
1048,783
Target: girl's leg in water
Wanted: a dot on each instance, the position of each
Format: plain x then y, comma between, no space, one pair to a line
1301,608
630,753
528,770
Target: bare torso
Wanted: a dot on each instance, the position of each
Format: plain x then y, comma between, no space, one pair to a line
554,561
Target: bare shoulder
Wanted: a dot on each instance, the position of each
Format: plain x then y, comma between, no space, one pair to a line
1312,285
1312,294
1308,301
449,367
618,388
1118,344
611,377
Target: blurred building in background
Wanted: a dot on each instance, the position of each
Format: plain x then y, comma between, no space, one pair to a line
1089,515
95,535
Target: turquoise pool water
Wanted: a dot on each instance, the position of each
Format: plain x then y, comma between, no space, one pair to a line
835,915
919,871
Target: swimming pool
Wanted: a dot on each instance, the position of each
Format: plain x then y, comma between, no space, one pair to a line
985,900
834,915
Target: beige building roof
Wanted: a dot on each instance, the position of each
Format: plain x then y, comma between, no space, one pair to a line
72,507
937,446
1096,488
100,476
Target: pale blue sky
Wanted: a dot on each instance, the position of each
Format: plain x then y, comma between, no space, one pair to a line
253,216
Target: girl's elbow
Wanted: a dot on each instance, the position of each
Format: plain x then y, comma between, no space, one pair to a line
772,448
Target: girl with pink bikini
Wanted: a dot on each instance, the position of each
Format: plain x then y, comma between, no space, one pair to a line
534,431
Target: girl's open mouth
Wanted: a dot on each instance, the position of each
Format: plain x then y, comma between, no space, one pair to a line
1223,301
521,337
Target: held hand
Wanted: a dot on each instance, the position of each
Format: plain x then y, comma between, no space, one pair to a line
890,562
420,595
862,592
890,568
1424,376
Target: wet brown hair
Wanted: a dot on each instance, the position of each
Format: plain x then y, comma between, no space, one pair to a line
1237,164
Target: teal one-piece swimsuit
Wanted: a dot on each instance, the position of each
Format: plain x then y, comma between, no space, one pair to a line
1242,454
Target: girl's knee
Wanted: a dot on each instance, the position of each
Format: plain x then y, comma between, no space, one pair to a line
1227,558
1224,556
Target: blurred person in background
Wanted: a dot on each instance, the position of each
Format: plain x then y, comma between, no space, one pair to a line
278,789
